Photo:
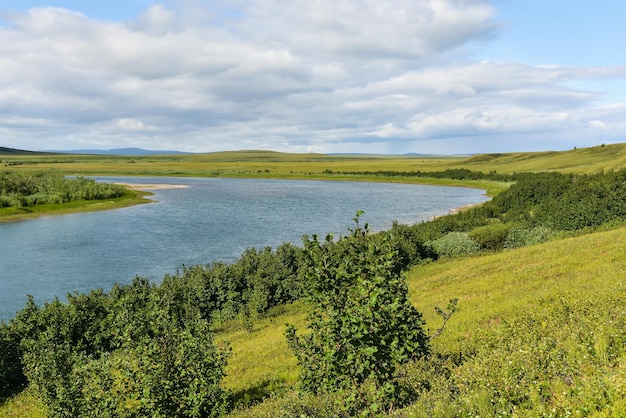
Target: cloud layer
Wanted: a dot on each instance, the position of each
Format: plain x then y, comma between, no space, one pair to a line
324,76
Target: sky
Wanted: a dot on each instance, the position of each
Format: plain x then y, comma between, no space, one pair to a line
328,76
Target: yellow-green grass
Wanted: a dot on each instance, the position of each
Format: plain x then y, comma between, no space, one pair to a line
251,162
23,405
275,164
223,164
129,198
260,359
491,289
582,160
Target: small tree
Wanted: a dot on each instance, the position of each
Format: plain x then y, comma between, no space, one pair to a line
362,324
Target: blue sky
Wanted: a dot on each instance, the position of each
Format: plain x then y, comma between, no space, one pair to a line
427,76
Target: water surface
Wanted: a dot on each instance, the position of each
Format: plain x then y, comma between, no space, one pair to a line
210,220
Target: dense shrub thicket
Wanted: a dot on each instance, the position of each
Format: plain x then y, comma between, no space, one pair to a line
30,189
532,210
145,347
123,353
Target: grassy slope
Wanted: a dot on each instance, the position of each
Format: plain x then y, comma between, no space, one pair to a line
491,289
583,160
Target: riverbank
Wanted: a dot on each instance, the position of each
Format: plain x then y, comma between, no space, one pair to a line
131,197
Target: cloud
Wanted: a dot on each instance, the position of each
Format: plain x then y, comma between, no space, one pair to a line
330,76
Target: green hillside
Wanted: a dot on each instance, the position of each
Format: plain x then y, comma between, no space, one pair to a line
284,165
582,160
567,295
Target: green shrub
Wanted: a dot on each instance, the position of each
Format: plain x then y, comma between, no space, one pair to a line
136,351
176,372
362,325
11,376
411,249
524,236
455,244
492,236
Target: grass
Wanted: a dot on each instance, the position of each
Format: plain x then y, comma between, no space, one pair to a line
513,304
281,165
23,405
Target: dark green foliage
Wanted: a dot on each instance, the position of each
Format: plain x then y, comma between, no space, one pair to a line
26,189
258,281
410,248
127,353
536,201
589,201
12,378
455,174
362,325
171,371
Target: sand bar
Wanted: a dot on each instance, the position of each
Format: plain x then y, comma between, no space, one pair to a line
152,186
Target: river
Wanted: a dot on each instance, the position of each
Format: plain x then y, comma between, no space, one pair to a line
210,219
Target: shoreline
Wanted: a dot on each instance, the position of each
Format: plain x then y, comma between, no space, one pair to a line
138,186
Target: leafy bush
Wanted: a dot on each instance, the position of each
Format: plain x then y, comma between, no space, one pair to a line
11,376
132,352
455,244
29,189
492,236
409,246
176,372
523,236
362,324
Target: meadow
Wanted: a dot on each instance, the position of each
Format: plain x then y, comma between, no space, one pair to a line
541,326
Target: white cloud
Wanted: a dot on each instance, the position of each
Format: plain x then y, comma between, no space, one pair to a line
294,76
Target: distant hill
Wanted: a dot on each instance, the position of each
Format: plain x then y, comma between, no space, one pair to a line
121,151
13,151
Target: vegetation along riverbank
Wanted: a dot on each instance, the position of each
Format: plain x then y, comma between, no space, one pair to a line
515,307
25,195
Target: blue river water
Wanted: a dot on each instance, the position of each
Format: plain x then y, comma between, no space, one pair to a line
209,220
